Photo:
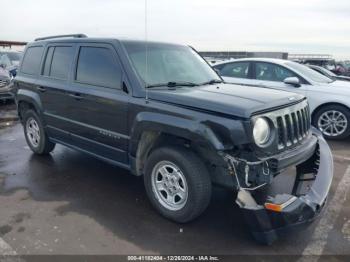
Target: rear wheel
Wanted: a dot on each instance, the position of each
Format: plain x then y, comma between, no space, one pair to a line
35,134
333,121
177,183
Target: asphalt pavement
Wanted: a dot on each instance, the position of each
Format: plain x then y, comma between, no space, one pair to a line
71,203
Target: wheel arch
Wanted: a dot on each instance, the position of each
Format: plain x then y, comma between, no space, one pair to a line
28,99
151,131
319,107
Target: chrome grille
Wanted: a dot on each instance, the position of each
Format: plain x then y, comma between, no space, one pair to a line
3,83
293,126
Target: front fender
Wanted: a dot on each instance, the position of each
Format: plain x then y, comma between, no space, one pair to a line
190,129
321,99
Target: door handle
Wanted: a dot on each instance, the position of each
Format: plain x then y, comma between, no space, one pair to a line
41,88
76,96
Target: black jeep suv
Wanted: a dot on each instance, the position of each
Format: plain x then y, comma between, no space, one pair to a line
159,110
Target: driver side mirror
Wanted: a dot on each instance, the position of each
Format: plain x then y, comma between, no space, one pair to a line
294,81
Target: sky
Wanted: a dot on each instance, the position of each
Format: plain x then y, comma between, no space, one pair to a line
297,26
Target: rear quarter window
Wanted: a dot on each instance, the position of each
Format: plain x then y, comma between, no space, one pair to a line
32,59
238,70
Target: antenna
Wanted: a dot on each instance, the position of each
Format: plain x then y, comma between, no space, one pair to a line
146,53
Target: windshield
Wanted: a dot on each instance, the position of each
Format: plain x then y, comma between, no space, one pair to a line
309,73
169,63
328,72
323,71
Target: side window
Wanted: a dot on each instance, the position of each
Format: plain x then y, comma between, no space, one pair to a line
57,62
31,60
97,66
272,72
239,70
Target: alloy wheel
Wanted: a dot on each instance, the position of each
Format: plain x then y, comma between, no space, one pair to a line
33,132
332,123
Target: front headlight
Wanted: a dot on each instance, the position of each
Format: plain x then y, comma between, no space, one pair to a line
261,131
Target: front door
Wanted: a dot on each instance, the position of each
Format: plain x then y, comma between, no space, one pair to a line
97,103
237,73
269,75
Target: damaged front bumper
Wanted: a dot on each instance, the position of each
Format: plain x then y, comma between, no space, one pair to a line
285,211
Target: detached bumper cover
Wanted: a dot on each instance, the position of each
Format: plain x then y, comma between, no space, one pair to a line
310,192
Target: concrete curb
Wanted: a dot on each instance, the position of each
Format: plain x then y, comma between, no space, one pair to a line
8,119
9,116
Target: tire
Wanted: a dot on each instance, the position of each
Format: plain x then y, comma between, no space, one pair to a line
35,134
193,177
340,115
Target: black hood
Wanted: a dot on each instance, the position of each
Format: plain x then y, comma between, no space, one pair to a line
235,100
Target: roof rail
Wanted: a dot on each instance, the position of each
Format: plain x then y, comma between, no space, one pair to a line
61,36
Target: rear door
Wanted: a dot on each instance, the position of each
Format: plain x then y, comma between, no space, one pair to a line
237,72
98,104
52,86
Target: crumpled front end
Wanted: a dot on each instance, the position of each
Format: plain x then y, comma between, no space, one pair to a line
270,217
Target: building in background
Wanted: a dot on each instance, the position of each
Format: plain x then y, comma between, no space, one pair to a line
12,45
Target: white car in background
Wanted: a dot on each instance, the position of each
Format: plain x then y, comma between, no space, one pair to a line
329,99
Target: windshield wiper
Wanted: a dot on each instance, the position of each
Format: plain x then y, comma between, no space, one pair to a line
172,84
213,81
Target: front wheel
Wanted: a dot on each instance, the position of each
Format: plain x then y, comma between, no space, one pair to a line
177,183
333,121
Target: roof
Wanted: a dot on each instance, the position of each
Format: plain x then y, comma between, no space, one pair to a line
271,60
80,39
73,40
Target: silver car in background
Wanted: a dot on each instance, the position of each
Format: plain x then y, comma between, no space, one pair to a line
9,62
329,99
328,73
5,85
